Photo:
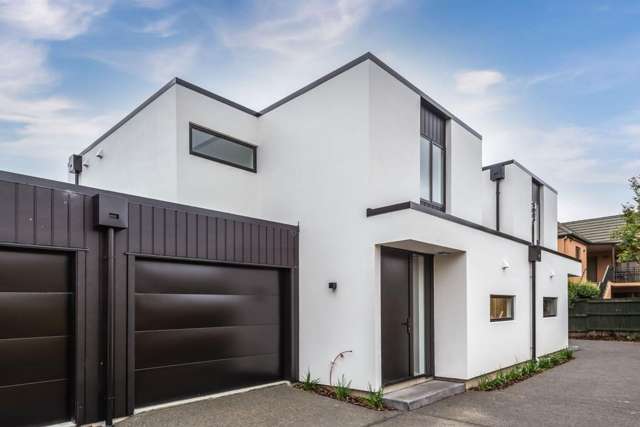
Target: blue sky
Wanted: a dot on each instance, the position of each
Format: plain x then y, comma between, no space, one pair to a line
555,85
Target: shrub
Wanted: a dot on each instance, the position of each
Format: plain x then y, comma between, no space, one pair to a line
375,398
343,389
310,384
582,290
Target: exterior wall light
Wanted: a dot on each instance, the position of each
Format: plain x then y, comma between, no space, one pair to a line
100,154
505,265
552,274
333,286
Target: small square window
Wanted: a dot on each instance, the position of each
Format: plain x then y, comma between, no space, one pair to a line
549,306
501,307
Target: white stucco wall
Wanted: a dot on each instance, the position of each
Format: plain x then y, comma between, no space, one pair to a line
203,182
515,202
488,190
140,156
465,179
549,238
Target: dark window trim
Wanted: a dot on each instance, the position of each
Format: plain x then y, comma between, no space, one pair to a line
555,314
443,146
229,138
512,298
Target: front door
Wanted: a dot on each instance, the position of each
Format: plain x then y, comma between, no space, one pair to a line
407,295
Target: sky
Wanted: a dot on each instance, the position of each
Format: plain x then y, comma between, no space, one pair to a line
554,85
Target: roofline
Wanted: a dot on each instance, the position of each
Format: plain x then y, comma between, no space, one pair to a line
516,163
367,56
590,219
575,236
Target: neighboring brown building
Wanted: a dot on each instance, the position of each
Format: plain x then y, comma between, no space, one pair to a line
591,241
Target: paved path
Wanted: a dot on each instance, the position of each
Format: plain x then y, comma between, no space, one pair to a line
600,388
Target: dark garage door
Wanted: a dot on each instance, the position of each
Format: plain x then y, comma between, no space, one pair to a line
203,329
36,309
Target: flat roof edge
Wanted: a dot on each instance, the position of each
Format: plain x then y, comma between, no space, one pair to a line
518,164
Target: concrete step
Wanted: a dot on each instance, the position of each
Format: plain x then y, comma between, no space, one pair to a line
417,396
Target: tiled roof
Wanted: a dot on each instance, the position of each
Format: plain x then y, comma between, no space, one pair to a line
593,230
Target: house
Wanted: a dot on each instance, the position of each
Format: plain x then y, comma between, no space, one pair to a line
592,241
412,256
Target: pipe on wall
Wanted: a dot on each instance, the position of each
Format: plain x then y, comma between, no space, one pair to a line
533,310
111,270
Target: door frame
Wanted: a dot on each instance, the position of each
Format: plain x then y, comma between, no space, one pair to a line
428,318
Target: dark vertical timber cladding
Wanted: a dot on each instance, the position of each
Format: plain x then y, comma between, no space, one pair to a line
36,338
41,215
7,211
158,231
25,214
60,218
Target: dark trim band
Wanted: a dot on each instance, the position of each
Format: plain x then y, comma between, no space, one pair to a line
516,163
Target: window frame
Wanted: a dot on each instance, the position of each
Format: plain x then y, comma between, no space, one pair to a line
511,299
555,306
228,138
442,146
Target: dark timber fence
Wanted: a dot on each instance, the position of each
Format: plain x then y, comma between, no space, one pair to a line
613,315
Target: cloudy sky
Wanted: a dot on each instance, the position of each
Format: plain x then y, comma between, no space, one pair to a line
555,85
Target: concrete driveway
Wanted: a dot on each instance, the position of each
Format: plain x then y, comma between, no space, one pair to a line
601,387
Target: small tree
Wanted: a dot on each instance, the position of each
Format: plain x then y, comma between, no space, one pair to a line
629,233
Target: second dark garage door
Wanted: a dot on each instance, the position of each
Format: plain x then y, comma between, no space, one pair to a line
204,328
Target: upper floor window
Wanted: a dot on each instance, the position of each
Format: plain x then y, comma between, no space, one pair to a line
432,158
578,253
222,148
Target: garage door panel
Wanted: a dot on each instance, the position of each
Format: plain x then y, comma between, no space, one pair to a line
34,359
159,348
34,314
35,404
33,272
167,277
170,383
178,311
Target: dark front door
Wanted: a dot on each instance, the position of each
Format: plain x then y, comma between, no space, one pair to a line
36,338
592,268
202,329
396,315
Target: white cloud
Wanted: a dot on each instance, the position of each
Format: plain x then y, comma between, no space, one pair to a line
162,27
477,82
159,65
309,27
50,19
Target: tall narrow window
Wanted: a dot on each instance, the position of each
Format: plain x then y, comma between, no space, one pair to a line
432,158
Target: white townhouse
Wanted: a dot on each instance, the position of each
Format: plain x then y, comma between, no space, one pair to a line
413,257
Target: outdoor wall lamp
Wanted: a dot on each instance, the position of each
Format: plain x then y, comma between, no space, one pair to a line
505,265
333,286
552,274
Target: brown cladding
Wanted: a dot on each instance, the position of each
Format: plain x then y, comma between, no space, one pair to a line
44,216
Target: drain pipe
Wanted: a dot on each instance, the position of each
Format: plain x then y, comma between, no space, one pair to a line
535,255
111,213
111,270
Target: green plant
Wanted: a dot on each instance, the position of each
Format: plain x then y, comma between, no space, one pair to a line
375,398
310,384
544,363
343,390
582,290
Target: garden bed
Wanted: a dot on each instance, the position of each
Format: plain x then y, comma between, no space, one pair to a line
606,336
371,400
505,378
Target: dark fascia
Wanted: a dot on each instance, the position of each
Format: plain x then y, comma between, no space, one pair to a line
431,211
367,56
518,164
89,191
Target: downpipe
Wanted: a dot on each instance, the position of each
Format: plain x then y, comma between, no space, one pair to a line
533,311
111,270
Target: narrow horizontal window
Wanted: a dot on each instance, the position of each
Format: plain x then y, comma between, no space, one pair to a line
501,307
549,307
221,148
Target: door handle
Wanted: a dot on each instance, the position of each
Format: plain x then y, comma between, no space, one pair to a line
407,325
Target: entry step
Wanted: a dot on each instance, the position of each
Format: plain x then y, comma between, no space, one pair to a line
417,396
